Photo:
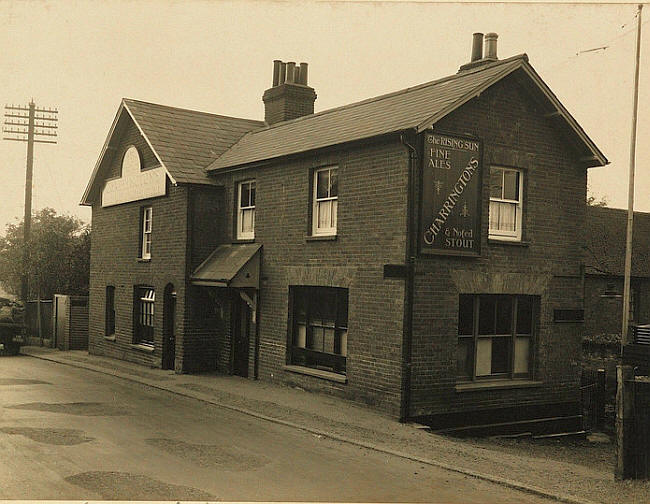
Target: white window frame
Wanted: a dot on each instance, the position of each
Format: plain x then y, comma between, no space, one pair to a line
147,226
146,297
499,234
242,210
329,200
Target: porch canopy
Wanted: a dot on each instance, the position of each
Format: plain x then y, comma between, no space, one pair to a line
236,265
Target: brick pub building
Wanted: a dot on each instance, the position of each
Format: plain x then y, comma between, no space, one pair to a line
418,251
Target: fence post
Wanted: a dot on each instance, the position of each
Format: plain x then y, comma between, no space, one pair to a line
625,454
601,390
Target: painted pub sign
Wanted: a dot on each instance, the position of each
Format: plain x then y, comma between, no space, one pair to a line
450,214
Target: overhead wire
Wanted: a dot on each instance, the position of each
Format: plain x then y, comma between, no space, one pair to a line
601,47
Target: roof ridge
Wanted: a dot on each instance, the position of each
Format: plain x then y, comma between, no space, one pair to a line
522,56
598,208
193,111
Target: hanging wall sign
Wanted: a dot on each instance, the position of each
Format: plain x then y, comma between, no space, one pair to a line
450,220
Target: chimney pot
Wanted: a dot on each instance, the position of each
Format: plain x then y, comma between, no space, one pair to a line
477,47
276,72
491,46
295,99
298,75
291,72
303,73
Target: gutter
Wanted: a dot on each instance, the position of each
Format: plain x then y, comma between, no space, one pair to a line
409,287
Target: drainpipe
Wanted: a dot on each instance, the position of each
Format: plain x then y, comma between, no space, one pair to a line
407,336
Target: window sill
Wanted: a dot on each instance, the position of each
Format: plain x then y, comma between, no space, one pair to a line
144,259
110,337
318,373
312,238
142,347
243,240
497,385
501,241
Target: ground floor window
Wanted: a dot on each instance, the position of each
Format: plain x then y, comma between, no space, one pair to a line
495,336
319,327
144,302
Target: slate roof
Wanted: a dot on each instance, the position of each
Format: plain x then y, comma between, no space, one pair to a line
223,264
417,107
186,141
605,242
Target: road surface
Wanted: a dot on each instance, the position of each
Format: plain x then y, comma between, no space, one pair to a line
69,433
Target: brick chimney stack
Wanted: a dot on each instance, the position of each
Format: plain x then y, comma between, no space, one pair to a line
290,96
478,57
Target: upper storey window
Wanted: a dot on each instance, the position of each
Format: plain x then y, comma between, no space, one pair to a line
147,226
506,208
246,210
325,200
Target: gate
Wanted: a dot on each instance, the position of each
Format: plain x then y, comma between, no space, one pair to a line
592,398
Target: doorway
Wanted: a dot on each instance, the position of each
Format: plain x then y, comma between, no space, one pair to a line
241,324
169,328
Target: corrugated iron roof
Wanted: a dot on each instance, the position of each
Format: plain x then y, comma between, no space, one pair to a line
223,264
187,141
605,242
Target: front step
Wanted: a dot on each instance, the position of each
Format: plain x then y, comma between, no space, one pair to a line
535,427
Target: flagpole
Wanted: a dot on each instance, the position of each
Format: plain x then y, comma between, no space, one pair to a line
630,193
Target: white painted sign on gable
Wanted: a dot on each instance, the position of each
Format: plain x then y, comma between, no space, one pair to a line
134,184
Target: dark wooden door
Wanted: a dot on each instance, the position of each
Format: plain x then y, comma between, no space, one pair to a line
169,331
241,323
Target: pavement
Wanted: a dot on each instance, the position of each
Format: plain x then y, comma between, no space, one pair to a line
348,422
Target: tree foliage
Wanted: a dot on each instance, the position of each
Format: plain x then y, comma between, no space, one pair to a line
57,259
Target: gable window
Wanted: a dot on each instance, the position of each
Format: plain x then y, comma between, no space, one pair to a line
145,298
495,336
325,201
110,311
319,329
246,210
506,207
147,224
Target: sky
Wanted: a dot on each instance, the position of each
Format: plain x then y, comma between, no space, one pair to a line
82,57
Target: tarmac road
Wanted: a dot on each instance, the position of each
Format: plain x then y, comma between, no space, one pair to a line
68,433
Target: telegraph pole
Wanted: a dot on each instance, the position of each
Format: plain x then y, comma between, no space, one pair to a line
630,190
32,125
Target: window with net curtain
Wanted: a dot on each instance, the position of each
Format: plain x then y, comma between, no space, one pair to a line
325,201
319,328
496,336
506,209
246,210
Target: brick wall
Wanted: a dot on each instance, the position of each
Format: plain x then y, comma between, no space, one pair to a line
371,233
516,135
604,302
114,261
288,101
